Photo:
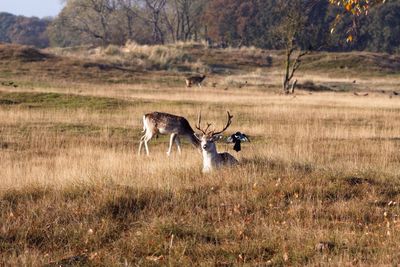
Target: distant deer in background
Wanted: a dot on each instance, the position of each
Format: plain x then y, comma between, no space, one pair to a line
195,80
163,123
211,158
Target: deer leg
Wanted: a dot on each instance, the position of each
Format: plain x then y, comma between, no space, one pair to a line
146,139
141,144
178,144
171,141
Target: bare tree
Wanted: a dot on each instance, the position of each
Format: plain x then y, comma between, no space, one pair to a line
294,15
90,17
188,12
182,19
155,10
129,12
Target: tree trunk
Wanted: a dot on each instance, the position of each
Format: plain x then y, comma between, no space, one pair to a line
291,67
286,78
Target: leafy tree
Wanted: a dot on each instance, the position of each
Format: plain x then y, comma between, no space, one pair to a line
382,31
260,24
63,34
221,20
24,30
228,22
354,8
6,21
29,31
90,17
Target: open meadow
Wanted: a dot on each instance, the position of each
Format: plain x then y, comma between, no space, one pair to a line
319,183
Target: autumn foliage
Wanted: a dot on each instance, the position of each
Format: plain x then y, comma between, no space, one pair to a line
355,8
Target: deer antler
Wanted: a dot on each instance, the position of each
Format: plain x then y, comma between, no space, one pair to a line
198,125
227,124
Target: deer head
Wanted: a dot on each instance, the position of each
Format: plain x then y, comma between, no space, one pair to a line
208,137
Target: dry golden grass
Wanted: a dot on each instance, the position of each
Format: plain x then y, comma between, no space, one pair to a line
145,57
318,185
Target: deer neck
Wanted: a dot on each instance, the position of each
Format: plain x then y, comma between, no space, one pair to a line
193,140
210,160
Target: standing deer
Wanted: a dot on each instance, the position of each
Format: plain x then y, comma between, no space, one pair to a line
211,158
163,123
195,80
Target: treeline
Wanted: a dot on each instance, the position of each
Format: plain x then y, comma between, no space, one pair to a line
104,22
24,30
220,22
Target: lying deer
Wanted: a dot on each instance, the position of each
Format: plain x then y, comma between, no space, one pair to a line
195,80
163,123
211,158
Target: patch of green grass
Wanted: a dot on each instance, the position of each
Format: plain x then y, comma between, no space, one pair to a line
61,101
75,128
360,63
37,84
6,74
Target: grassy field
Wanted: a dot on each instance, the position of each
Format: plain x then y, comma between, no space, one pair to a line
318,184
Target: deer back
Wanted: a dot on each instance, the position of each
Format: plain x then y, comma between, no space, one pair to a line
228,159
165,123
195,79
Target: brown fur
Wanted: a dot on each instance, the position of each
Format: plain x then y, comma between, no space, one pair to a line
195,80
164,123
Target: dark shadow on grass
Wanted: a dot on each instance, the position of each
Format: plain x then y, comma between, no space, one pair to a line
261,163
312,87
78,260
353,180
131,202
184,232
14,197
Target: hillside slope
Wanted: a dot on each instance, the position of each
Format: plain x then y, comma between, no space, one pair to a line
168,65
